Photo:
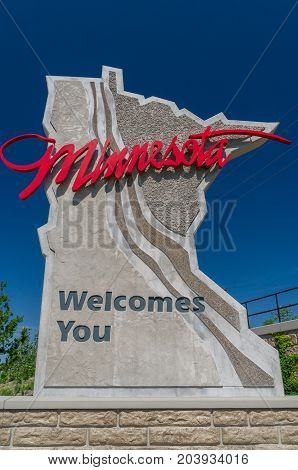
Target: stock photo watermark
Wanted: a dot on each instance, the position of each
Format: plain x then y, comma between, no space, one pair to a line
94,223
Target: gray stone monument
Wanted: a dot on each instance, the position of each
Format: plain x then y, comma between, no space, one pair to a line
126,311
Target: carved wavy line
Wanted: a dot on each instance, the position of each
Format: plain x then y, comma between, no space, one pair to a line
150,262
180,259
250,374
95,113
119,216
178,256
235,356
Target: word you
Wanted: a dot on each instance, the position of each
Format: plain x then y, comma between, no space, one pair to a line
120,303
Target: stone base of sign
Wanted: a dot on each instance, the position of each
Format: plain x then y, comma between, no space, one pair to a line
289,327
263,423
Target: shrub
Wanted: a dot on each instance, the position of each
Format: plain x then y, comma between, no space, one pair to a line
17,351
288,363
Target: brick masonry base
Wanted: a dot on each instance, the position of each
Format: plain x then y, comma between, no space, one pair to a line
150,429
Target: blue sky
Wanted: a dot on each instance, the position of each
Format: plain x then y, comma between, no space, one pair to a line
195,53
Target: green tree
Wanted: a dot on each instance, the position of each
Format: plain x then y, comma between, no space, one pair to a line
19,365
8,324
285,314
17,351
288,363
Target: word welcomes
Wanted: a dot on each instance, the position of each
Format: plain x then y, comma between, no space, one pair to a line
198,151
120,303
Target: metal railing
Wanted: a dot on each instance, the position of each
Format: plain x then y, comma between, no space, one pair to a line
280,310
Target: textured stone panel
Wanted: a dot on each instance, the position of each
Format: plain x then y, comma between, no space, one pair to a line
44,437
4,437
230,418
28,418
120,437
177,212
88,418
289,435
70,116
271,417
165,418
249,436
156,121
184,436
